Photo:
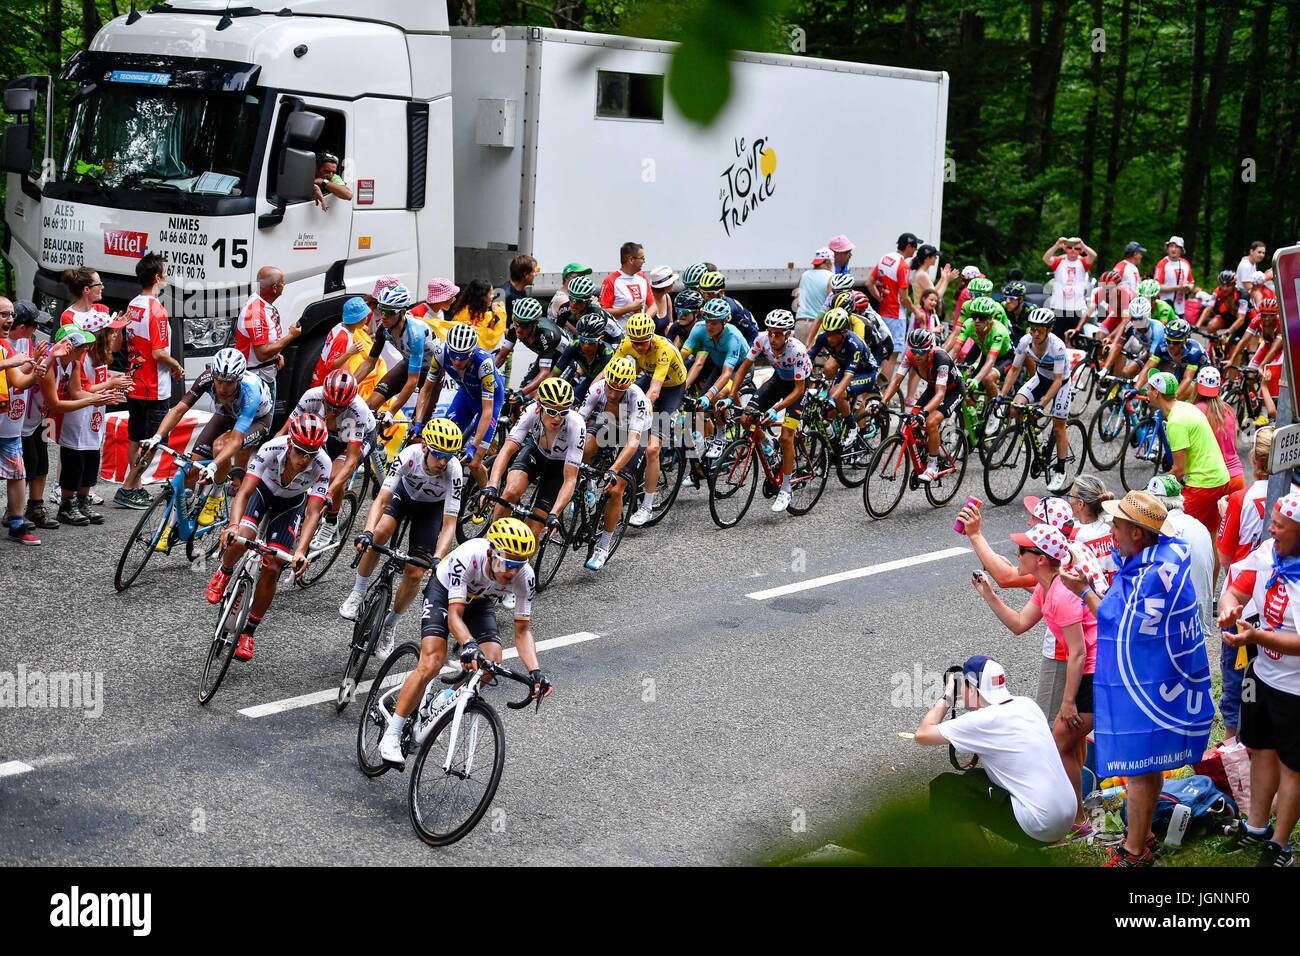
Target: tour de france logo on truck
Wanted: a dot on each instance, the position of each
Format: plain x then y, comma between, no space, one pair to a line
748,182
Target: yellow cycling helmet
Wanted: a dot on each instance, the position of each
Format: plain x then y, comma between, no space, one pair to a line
640,327
621,372
512,538
442,434
836,320
712,281
555,393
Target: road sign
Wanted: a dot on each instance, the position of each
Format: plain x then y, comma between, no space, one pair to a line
1286,449
1286,281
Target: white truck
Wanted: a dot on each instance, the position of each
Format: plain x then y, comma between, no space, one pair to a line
193,132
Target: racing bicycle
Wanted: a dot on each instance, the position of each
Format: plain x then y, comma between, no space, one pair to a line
734,476
901,458
1024,448
232,614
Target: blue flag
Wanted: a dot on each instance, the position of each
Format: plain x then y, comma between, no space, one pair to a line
1152,686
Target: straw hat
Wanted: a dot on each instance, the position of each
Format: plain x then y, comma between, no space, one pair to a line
1141,508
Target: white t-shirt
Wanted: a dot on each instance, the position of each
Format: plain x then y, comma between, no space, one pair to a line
1069,284
466,573
1128,274
1245,270
1015,747
1193,533
1097,539
1278,606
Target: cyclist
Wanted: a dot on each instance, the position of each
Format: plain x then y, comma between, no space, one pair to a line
582,289
693,273
686,310
942,391
1264,335
663,379
990,344
1109,306
1143,333
1226,309
713,285
852,361
874,331
541,335
989,306
424,488
586,356
286,484
409,336
717,347
781,397
1180,355
476,406
548,438
458,604
352,437
617,390
241,420
979,286
1049,386
1013,305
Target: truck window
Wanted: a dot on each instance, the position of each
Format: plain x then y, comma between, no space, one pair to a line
332,140
629,96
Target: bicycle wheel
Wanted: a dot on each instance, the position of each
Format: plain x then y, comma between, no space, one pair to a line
323,561
139,547
812,466
598,522
231,616
672,469
379,704
552,546
1108,434
952,441
1144,462
887,478
447,803
1077,439
854,459
732,483
1081,382
365,635
1006,464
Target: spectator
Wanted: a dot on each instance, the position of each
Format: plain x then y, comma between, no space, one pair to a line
888,285
347,345
36,455
258,333
523,273
87,290
1128,267
627,290
328,180
1270,715
660,305
1020,790
1069,653
1092,532
841,248
18,372
963,292
152,367
561,298
96,379
475,306
1069,281
1168,490
814,287
437,300
926,258
1224,422
927,317
1152,683
1198,460
1247,268
1174,273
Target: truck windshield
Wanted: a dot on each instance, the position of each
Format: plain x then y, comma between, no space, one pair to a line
163,139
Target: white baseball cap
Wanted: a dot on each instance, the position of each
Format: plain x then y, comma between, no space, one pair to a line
988,677
970,272
1176,241
822,255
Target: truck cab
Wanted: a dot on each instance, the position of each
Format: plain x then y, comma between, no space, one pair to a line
194,131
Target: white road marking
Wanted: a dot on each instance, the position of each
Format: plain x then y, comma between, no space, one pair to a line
320,697
13,768
866,572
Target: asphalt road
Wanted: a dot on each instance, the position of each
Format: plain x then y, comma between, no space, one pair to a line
702,725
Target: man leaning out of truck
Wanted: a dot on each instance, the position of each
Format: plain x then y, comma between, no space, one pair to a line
328,180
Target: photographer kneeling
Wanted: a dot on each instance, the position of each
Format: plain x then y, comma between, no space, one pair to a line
1021,793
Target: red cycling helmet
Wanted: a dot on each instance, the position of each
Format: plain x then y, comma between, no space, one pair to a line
1268,306
308,431
861,301
340,388
1110,277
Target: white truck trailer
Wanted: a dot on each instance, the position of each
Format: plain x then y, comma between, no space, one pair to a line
194,127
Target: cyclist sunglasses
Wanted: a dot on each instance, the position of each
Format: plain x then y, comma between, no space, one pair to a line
553,412
511,563
440,455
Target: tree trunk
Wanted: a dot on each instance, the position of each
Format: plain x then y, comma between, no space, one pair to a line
1116,122
911,14
1207,253
1196,160
569,14
1046,53
53,36
90,22
1090,127
1239,190
462,12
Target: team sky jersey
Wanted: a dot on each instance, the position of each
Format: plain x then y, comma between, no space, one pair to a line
466,574
940,372
1050,361
269,464
548,342
251,401
415,342
478,378
148,329
1174,272
258,324
353,423
567,443
996,339
1069,283
726,352
634,407
890,274
575,367
661,361
409,469
853,357
792,364
874,330
1193,357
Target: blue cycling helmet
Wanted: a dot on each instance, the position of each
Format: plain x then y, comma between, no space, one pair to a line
355,310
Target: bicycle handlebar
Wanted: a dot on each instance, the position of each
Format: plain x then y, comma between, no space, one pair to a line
399,556
522,512
498,670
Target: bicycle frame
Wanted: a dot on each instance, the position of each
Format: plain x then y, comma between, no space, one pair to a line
187,527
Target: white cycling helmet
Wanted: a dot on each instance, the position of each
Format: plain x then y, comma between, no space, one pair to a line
1139,308
461,339
1042,316
781,319
842,282
1258,278
229,365
970,272
396,297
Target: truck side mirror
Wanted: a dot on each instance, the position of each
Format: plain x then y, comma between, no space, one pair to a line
297,171
19,137
20,101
